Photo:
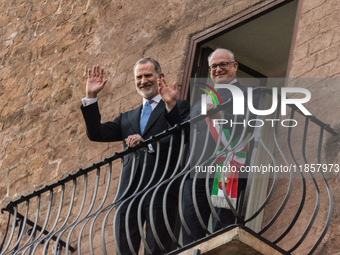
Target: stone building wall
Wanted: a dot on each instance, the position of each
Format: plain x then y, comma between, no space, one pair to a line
45,50
47,46
315,55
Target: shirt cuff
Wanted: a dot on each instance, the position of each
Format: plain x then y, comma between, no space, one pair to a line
88,101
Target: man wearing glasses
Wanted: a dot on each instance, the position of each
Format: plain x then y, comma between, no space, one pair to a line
222,68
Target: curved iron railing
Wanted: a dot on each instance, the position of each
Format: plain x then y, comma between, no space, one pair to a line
77,213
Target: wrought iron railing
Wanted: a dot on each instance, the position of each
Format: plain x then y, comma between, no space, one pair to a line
76,213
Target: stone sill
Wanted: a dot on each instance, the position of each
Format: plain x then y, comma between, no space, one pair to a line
237,241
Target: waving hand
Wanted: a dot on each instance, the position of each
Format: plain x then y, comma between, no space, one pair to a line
95,82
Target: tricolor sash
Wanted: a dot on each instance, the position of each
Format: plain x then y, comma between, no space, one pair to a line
230,159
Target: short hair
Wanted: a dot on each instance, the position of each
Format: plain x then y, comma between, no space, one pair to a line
153,61
232,57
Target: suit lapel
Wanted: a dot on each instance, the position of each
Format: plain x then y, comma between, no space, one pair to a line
225,94
155,115
134,118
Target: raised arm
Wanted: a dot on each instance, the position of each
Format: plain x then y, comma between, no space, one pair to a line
168,93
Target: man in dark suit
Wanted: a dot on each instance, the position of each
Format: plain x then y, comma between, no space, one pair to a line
222,67
150,118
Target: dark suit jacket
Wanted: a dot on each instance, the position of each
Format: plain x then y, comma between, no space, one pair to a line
225,96
127,124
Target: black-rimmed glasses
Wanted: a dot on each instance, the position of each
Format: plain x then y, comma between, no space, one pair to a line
222,65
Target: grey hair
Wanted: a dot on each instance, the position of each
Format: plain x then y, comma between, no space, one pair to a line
232,57
153,61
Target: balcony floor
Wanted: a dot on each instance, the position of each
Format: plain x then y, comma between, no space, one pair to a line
236,241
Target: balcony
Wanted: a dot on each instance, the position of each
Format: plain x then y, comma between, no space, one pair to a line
286,212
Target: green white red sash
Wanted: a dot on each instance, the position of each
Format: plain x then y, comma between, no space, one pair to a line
231,157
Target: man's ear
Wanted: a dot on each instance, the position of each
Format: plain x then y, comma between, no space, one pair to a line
236,65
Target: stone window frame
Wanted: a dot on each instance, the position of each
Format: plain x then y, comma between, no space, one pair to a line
223,27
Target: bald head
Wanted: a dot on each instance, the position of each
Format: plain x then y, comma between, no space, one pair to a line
231,54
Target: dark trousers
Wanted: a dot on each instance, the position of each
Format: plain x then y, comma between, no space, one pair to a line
190,216
134,235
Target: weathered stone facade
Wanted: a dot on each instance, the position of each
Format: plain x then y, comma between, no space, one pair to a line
47,46
315,55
